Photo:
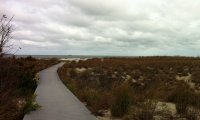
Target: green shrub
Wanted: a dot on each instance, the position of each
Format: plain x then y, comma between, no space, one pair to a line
31,105
27,83
121,100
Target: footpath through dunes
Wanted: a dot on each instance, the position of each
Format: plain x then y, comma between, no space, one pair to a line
58,103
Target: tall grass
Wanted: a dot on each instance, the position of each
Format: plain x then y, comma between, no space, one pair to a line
144,110
184,96
121,100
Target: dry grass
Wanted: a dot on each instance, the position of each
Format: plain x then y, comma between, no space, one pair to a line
148,78
17,84
121,99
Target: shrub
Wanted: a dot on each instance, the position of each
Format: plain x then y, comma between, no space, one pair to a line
18,84
105,100
70,85
184,96
73,73
151,78
181,107
121,100
196,77
100,104
31,105
145,110
30,58
192,113
89,95
55,60
27,83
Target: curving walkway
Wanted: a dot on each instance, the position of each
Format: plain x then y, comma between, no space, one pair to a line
57,102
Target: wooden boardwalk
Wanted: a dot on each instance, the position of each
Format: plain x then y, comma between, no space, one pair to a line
57,102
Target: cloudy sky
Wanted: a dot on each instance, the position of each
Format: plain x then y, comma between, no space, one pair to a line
105,27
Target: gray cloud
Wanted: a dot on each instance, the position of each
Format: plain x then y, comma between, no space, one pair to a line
97,27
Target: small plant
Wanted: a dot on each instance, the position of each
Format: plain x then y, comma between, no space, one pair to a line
145,110
101,104
184,96
121,100
31,105
73,73
70,85
89,95
28,83
192,113
196,77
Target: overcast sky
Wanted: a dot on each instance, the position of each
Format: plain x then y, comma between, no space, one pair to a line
105,27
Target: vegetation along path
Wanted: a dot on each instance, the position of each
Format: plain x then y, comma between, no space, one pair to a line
57,102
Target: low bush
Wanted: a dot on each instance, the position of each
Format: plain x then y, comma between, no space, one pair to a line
103,103
27,84
90,95
196,76
192,114
70,85
31,105
144,110
184,96
92,98
17,84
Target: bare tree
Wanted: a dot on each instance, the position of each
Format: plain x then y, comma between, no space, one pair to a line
6,29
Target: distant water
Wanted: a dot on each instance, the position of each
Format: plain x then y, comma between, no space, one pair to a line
73,56
85,56
63,56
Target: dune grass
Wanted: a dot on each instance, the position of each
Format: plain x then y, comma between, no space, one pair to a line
125,83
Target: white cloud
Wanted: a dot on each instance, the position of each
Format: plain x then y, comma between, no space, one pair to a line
106,27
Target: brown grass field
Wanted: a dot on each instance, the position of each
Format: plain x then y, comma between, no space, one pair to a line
132,88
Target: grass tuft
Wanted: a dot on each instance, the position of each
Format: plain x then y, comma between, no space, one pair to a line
121,100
